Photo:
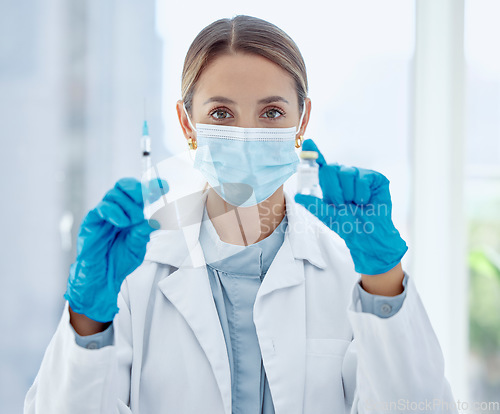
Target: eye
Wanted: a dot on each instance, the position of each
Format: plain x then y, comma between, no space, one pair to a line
273,113
220,114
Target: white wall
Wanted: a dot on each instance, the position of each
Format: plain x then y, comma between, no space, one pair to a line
31,125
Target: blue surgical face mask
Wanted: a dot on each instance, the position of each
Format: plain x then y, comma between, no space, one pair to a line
245,166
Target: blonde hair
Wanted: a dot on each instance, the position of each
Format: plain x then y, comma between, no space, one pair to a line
242,34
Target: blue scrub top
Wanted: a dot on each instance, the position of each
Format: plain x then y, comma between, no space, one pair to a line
235,274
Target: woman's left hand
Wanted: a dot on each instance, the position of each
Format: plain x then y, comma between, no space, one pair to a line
357,206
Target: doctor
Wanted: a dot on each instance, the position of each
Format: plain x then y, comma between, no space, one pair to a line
269,303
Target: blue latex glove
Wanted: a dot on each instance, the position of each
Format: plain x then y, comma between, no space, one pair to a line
357,206
111,244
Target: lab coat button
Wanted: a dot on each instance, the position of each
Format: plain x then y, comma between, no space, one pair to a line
92,345
386,308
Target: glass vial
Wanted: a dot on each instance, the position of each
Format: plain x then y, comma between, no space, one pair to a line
307,174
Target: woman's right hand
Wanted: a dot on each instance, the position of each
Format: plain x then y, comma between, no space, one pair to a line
111,244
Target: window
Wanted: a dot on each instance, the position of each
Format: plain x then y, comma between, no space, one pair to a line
482,190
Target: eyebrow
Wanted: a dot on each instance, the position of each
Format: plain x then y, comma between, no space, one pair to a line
225,100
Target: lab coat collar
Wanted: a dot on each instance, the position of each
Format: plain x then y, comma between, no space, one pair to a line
181,248
253,259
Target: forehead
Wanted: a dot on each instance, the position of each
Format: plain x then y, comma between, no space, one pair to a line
244,77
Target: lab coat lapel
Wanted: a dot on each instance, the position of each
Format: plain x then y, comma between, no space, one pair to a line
279,316
188,289
280,310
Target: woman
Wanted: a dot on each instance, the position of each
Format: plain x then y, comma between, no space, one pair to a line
260,307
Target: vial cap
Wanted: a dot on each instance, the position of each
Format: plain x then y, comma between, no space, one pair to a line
308,155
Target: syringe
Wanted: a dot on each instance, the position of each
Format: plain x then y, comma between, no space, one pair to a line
146,147
146,166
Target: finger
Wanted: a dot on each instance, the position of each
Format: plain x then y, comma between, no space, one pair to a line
154,224
330,184
132,209
380,179
382,197
363,186
154,189
94,232
309,145
317,207
138,235
379,187
131,187
113,213
362,191
347,176
136,240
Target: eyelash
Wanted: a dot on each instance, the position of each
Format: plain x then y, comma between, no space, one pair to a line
222,108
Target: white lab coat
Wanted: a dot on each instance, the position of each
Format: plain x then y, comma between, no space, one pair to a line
170,356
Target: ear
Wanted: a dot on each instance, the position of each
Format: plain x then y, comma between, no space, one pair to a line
183,120
305,120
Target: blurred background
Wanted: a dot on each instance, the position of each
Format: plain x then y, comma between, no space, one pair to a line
408,88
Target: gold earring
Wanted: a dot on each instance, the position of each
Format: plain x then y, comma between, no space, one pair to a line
192,144
298,141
